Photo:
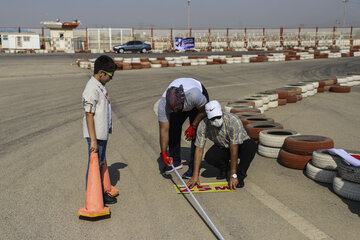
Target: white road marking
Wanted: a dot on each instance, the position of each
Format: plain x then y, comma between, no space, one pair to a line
300,223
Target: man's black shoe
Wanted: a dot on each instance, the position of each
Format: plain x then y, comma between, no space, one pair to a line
222,175
109,200
241,183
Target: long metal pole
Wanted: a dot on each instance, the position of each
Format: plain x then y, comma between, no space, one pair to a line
87,40
121,36
110,38
189,17
99,39
344,19
189,191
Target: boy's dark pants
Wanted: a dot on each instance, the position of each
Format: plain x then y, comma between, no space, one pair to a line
219,157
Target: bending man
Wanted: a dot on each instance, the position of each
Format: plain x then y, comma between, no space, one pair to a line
184,98
230,143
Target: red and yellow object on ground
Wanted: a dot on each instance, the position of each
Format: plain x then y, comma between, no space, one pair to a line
108,188
355,155
94,203
205,188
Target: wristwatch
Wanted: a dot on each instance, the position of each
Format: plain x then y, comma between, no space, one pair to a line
234,176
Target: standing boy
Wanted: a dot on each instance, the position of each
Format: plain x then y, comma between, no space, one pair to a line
97,121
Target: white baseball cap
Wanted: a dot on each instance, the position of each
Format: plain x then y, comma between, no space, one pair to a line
213,109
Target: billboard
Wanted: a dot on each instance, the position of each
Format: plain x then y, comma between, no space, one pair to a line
184,43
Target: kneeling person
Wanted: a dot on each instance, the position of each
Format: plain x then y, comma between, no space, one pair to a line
230,143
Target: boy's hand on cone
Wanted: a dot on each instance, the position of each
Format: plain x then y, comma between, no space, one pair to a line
93,146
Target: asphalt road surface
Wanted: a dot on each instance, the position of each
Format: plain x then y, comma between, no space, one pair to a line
44,157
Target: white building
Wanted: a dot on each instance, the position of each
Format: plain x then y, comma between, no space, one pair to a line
61,34
22,40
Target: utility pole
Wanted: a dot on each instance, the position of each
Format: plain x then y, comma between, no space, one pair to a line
188,1
337,23
344,19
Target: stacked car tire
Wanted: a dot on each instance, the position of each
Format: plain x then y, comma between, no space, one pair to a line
322,167
254,119
271,141
297,150
254,129
347,182
327,168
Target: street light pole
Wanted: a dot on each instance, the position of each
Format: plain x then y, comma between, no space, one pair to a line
188,1
344,19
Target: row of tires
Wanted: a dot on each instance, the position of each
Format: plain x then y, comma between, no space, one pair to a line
304,151
196,60
292,93
296,151
251,109
289,147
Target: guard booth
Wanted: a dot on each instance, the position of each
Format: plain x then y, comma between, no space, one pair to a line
61,34
20,41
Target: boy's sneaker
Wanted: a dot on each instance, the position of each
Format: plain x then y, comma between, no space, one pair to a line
169,169
109,200
188,174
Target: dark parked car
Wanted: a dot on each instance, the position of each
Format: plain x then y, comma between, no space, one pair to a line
133,46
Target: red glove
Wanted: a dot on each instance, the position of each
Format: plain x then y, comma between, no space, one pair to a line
190,133
166,159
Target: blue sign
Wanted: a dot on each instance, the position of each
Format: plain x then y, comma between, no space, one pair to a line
184,43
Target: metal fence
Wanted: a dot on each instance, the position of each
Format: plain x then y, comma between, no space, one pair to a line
226,38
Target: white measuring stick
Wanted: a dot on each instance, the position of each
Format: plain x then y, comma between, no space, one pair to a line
216,230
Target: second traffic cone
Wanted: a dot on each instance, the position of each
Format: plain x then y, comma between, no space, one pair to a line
108,188
94,203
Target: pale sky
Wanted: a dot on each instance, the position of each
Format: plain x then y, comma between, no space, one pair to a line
173,13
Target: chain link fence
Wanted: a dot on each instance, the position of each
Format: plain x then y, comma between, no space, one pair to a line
160,39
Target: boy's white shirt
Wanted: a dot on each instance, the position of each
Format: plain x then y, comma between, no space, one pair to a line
95,94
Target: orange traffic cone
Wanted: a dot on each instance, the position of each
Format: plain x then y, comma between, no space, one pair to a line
108,188
94,203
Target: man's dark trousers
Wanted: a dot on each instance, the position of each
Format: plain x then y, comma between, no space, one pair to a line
176,121
219,157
